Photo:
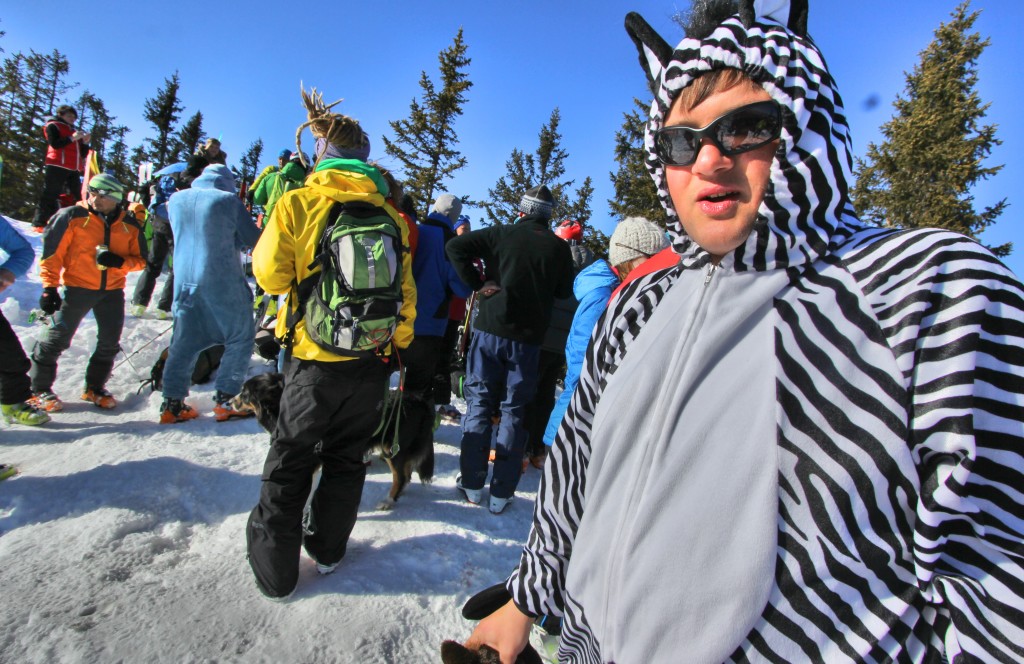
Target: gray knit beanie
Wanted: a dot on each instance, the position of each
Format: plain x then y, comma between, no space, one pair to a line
635,237
538,202
449,206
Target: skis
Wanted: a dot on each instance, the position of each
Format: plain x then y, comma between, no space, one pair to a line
458,367
92,167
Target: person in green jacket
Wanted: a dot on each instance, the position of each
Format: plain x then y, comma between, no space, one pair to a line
271,188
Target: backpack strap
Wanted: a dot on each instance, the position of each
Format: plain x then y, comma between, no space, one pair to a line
301,290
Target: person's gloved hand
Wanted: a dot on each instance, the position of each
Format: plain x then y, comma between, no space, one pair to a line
109,259
50,300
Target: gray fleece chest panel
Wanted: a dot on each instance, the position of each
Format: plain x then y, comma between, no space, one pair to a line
686,472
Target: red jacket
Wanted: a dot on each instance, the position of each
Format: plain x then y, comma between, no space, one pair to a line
61,151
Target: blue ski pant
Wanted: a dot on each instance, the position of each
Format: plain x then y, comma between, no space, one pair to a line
198,326
501,378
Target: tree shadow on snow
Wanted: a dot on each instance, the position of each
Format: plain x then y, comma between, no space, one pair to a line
168,488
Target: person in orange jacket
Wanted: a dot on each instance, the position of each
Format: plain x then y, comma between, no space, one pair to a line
89,248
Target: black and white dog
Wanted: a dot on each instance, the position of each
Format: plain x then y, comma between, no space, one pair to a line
261,395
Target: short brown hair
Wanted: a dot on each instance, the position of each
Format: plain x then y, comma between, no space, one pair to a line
64,108
707,83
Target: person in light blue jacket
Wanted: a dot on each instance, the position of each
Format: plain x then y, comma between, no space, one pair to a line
15,386
212,299
634,241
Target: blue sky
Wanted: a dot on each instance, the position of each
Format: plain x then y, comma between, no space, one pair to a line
241,63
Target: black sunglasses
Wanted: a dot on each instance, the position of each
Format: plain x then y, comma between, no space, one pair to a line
740,130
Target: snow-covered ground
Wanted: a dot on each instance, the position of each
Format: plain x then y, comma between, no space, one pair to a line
123,540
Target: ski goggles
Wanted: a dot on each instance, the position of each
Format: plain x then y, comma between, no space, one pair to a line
740,130
109,193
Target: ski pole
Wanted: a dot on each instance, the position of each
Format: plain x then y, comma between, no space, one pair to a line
128,356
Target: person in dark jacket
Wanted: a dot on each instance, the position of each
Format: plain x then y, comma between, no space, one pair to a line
160,246
66,148
526,268
436,283
208,153
551,366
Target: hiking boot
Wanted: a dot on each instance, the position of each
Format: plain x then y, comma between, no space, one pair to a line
173,411
47,401
472,495
225,410
24,413
498,505
100,397
138,310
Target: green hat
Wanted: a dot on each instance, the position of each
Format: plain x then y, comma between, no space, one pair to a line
106,185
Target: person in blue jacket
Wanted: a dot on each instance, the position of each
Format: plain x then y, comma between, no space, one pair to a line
436,284
15,386
212,299
633,242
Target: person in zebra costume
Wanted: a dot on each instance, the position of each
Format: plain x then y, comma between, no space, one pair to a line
802,443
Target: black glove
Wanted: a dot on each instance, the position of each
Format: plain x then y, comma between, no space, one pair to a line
109,259
49,301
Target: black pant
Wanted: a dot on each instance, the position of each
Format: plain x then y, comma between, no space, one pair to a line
329,411
550,368
108,309
163,243
14,382
56,181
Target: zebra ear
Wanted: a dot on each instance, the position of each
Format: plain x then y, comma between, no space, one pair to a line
791,12
798,17
654,51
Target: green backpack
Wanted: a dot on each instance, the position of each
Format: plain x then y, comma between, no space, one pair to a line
352,306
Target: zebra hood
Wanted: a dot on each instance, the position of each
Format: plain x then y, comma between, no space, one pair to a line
807,198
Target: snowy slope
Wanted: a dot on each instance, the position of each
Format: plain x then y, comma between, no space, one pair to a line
123,540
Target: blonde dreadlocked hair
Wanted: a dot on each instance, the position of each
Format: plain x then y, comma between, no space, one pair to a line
337,129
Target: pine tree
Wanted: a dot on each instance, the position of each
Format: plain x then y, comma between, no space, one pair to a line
188,137
250,161
425,141
116,152
635,193
935,144
524,171
94,118
30,87
162,112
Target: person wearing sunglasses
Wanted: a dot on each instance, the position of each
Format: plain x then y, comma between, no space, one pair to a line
802,443
89,248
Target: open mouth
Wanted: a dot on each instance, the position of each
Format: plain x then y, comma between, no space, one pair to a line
721,197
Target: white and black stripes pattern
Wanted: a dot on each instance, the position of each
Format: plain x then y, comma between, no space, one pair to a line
899,359
899,373
807,196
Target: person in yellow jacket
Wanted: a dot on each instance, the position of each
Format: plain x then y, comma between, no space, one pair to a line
331,404
89,247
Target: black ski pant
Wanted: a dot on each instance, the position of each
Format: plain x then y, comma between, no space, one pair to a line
329,411
443,372
56,181
163,244
14,382
107,306
550,368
